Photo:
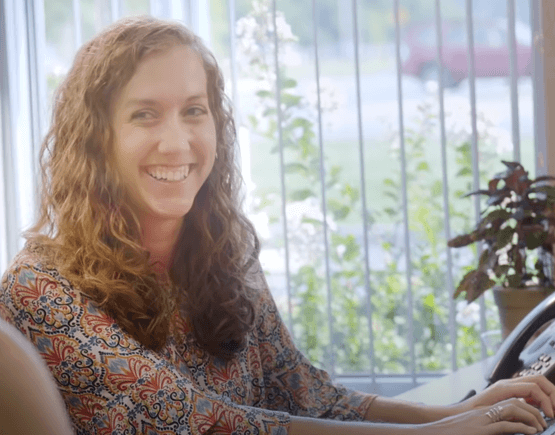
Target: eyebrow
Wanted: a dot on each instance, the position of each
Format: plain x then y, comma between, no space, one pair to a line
150,102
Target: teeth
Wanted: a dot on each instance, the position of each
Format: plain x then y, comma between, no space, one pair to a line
161,173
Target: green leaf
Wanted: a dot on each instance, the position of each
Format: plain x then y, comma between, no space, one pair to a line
311,221
487,258
254,121
535,240
503,238
464,172
423,166
341,213
437,188
335,170
474,283
501,271
288,83
351,192
353,249
270,111
464,239
265,94
290,100
296,168
301,123
337,239
429,302
498,214
301,195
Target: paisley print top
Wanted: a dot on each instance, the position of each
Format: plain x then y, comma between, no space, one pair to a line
112,384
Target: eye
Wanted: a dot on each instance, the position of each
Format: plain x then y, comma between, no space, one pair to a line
196,111
143,115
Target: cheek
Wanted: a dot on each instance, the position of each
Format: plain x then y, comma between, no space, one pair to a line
129,148
209,141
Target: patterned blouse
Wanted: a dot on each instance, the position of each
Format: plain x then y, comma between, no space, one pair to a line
112,384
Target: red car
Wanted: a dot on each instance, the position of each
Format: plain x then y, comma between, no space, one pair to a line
491,51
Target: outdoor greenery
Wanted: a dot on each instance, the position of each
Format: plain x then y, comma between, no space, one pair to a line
344,303
359,311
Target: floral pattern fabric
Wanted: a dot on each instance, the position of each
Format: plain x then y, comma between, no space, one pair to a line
112,384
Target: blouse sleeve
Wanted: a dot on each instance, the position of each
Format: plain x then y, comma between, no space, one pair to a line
293,384
110,383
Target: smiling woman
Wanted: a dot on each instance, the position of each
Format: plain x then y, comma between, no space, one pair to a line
140,284
164,144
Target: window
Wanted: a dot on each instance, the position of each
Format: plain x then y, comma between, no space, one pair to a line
354,161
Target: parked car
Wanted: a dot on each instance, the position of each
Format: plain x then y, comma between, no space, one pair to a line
491,51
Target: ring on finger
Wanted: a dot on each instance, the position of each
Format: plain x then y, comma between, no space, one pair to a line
495,413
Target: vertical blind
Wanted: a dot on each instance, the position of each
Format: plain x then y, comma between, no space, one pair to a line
336,318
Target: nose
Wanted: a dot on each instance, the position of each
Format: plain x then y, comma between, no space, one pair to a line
175,137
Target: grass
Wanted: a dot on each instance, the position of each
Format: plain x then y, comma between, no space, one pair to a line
380,164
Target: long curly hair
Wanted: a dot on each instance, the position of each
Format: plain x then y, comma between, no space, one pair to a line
92,236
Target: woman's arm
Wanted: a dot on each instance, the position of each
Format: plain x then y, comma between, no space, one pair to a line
515,417
535,390
390,410
292,383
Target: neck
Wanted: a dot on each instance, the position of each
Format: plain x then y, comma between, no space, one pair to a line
160,238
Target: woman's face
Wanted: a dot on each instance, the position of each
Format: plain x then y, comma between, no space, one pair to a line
165,135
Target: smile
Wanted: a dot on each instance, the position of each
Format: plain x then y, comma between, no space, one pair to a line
164,173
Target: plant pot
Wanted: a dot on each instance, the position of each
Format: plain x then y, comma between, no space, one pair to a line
515,303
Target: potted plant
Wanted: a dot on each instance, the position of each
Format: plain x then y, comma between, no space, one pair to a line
517,229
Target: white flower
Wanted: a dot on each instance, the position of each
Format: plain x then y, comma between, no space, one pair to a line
246,27
341,250
330,96
284,29
310,209
261,7
468,314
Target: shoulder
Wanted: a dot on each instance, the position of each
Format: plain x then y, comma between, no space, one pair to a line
33,257
30,267
39,300
33,290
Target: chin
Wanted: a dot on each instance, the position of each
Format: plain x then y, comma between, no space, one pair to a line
166,213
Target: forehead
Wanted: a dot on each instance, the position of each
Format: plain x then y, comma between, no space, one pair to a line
171,74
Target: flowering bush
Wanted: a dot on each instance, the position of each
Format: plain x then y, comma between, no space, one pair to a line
347,342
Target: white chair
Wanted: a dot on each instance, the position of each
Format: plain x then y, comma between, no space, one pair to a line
30,403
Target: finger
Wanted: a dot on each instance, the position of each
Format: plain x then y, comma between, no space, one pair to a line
545,384
511,427
547,387
531,392
524,412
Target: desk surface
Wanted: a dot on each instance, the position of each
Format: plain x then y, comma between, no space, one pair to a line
450,388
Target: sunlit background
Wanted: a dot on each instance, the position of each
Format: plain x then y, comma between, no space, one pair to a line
354,139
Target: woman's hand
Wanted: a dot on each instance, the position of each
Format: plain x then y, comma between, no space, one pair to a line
505,417
535,390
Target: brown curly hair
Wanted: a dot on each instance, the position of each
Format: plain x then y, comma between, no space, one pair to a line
91,234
